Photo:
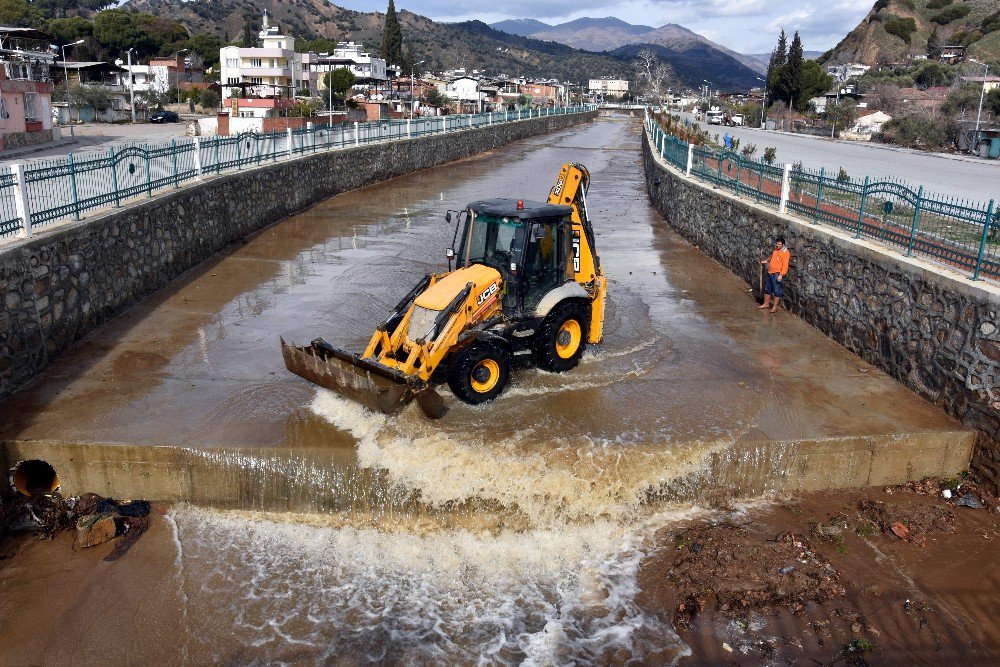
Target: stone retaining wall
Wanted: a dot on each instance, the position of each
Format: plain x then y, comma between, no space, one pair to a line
64,282
935,331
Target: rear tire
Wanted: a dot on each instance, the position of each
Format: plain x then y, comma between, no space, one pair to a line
562,338
479,374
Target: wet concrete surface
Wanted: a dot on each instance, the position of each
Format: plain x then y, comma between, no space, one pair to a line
688,368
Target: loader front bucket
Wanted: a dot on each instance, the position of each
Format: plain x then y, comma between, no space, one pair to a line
378,389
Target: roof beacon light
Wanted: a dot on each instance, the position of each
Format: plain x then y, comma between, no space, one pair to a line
520,204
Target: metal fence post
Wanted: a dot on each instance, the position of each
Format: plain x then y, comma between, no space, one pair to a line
819,194
21,199
982,241
173,152
760,179
218,163
72,187
739,175
861,214
690,160
149,176
197,158
288,135
916,216
786,182
114,175
239,156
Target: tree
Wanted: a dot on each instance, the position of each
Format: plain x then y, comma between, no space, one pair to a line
432,97
931,74
790,74
992,101
885,97
934,45
962,100
814,82
20,13
340,81
249,38
209,99
392,37
653,75
842,114
779,56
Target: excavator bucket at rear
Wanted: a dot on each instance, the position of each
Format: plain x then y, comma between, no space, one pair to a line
378,389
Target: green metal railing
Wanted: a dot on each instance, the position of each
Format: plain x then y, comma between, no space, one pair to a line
960,233
53,190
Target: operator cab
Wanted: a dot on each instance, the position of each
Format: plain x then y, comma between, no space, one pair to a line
529,243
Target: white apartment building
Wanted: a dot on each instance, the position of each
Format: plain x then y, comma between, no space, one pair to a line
608,86
368,69
847,71
259,82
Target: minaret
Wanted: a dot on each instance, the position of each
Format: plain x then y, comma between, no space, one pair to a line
265,25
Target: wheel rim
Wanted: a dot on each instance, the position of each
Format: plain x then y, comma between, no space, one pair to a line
568,339
485,376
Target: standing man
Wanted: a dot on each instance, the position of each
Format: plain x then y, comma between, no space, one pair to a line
777,268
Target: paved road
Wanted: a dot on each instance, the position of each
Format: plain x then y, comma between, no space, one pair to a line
100,136
966,177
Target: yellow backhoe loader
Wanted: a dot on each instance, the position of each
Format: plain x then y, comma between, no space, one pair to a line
527,284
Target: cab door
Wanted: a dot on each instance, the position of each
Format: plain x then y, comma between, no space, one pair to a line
544,265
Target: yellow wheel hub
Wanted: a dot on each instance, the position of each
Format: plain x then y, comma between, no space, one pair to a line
568,339
485,376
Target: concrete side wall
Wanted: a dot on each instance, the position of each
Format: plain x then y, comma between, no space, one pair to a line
63,283
934,331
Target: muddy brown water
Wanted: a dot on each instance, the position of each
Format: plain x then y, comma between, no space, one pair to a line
555,485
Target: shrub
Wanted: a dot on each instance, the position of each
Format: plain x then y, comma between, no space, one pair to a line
917,130
952,13
749,150
992,22
938,4
770,154
842,176
900,27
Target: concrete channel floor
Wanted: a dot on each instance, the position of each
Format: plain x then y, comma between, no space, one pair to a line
693,386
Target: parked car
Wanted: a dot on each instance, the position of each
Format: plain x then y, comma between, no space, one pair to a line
164,117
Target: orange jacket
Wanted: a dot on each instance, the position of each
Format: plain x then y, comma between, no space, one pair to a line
779,262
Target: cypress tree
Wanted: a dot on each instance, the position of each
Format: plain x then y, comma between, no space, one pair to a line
392,37
934,45
778,57
249,39
791,73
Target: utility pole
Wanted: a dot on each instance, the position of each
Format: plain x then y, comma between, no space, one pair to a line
979,114
131,84
69,97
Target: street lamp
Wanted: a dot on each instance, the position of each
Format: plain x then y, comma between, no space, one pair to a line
982,95
413,100
131,81
177,56
69,97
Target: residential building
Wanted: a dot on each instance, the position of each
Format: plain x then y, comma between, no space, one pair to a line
370,71
608,87
953,53
25,87
543,94
465,90
869,122
988,82
108,78
847,71
260,82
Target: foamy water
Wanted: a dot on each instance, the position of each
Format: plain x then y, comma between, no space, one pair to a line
291,591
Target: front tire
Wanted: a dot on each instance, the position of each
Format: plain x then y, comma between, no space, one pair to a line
479,374
562,338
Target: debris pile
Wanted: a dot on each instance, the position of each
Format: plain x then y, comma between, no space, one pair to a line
96,520
907,522
731,569
959,491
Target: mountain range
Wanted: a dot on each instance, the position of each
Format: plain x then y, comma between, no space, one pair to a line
476,45
609,33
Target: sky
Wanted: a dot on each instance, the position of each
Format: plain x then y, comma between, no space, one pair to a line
747,26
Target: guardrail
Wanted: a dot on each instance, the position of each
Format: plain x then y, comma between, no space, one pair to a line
959,233
43,192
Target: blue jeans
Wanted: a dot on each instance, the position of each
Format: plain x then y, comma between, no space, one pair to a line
772,285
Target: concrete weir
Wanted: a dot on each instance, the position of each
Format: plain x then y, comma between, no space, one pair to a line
693,393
